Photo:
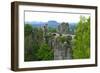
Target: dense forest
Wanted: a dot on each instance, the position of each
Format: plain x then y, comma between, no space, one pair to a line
47,43
81,41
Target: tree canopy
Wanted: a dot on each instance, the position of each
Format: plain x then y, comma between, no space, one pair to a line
81,42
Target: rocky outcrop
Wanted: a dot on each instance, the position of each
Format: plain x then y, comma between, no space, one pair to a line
63,28
60,42
62,49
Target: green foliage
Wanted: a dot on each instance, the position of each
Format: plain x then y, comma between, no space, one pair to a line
37,35
35,49
38,41
50,29
27,29
28,43
65,39
45,52
62,39
81,42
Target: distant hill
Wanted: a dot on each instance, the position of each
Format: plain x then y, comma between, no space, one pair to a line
36,24
51,23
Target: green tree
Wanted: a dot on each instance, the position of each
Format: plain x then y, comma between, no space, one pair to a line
81,42
52,30
28,43
27,29
45,52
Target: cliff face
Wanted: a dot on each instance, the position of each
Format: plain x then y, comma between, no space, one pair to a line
62,50
60,42
63,28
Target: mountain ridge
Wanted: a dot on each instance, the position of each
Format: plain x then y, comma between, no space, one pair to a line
51,23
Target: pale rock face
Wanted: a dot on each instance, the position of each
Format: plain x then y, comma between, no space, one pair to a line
63,28
62,50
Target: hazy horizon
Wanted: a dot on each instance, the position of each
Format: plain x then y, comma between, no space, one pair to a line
59,17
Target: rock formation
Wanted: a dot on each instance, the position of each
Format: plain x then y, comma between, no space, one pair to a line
60,42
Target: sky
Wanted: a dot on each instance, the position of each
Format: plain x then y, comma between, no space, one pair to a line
47,16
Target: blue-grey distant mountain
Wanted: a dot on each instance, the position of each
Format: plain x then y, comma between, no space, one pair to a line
53,24
36,23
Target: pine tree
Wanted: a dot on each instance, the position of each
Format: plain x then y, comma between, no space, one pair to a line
81,42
